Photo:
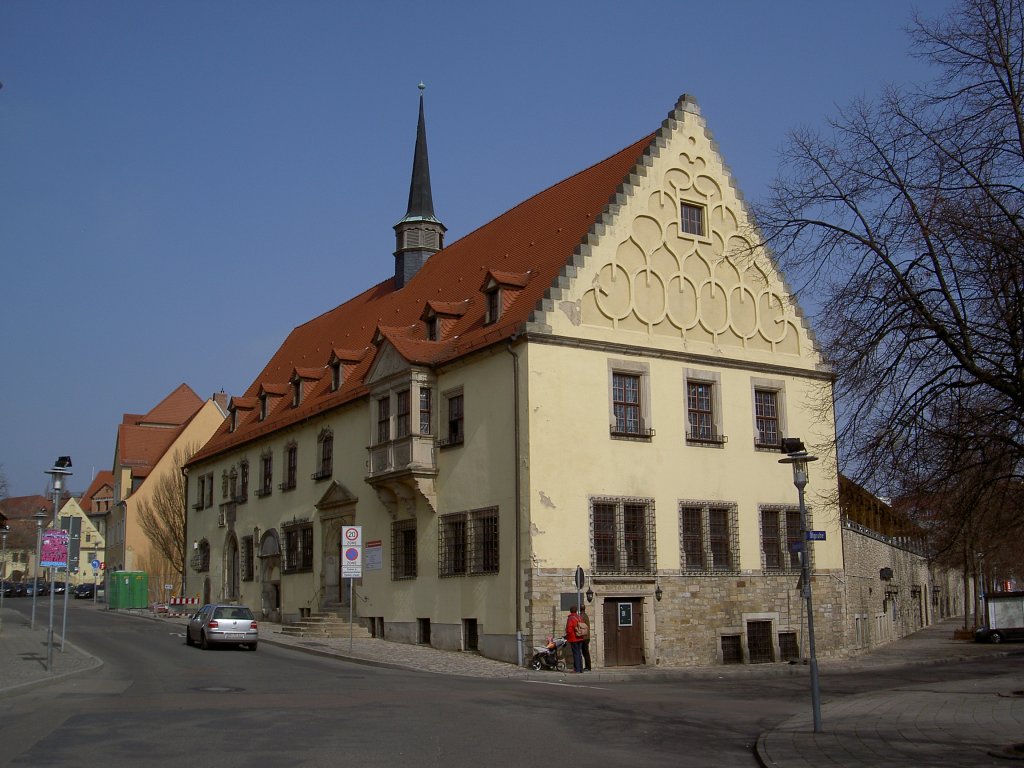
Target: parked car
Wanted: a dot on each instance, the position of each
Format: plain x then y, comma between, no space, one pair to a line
59,587
213,624
83,591
38,587
8,588
19,589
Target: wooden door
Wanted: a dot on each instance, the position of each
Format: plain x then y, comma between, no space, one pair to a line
623,632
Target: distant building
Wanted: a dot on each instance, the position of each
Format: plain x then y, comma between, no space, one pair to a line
149,448
18,560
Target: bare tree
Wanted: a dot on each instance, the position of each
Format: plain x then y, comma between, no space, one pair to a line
903,222
162,519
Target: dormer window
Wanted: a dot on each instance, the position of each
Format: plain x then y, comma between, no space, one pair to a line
432,329
233,425
500,289
263,406
296,392
335,366
493,306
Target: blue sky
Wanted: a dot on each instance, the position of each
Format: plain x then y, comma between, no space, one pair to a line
182,183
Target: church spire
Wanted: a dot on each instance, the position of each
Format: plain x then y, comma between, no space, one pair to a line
419,234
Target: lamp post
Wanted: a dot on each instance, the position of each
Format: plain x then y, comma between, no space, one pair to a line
3,576
39,516
57,473
799,458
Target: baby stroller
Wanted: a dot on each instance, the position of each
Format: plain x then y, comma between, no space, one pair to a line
549,656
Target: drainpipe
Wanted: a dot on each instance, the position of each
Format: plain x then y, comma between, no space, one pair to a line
518,504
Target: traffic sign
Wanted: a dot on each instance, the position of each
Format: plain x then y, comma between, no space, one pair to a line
352,561
95,564
352,534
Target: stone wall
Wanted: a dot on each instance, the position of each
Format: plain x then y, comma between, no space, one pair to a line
686,626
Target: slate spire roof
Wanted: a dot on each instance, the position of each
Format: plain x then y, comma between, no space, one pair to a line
421,200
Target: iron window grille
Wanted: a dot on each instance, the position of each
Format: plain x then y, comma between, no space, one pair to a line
468,543
266,476
325,452
782,538
298,548
403,550
243,483
247,558
291,465
708,537
623,536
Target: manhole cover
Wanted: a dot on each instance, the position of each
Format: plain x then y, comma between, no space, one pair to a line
219,689
1009,752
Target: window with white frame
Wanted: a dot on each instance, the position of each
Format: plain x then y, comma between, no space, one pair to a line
455,407
402,412
426,406
629,389
781,538
384,419
622,535
691,219
703,408
708,536
769,406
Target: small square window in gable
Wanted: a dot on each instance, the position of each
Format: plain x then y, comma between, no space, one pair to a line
693,219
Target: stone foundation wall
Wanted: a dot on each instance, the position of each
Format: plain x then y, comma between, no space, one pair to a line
685,627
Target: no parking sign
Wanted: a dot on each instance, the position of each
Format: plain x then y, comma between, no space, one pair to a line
352,552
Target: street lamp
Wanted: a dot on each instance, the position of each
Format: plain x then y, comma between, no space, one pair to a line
39,516
57,473
799,458
3,576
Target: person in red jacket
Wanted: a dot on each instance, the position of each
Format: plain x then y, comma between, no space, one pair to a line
574,640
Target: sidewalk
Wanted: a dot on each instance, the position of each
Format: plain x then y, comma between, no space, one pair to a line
945,724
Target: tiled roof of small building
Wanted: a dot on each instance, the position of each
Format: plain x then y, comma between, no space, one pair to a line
529,245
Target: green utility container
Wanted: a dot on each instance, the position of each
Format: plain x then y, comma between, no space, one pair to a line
128,589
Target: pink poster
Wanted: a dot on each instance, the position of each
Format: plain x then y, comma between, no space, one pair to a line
55,549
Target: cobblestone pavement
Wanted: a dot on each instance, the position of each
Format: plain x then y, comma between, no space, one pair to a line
967,723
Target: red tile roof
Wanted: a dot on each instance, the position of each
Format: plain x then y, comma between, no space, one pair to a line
529,244
142,440
104,479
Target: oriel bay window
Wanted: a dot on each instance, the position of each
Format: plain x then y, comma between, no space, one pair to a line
622,536
426,406
298,547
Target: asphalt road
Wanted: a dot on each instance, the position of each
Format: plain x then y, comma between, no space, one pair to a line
157,702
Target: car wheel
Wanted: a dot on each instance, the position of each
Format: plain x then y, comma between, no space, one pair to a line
995,637
203,643
251,646
188,637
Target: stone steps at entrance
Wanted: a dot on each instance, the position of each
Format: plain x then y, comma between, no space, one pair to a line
324,624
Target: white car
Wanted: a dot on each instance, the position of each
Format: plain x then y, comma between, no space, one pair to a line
217,624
